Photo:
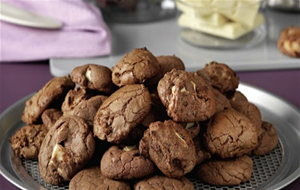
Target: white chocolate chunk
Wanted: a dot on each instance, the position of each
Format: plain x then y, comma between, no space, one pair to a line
183,90
129,148
230,30
189,125
58,156
57,153
88,74
180,137
244,13
287,46
240,11
172,101
194,85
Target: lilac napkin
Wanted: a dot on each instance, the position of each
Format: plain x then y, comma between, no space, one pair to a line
84,33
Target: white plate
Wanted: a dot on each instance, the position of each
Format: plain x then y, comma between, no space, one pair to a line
15,15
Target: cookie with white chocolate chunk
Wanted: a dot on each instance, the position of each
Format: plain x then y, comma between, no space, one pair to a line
187,96
289,41
67,147
95,77
220,76
170,147
121,112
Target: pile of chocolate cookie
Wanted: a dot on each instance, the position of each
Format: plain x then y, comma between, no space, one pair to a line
146,123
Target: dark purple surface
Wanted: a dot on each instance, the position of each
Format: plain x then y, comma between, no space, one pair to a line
20,79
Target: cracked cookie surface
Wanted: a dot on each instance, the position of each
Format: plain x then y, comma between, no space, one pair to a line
186,96
170,147
51,93
164,183
220,76
126,163
87,109
226,172
121,112
92,179
74,97
136,67
67,147
230,133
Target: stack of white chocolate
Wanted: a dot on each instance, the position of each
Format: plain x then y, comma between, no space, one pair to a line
229,19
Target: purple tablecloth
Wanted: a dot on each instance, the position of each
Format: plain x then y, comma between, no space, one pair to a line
20,79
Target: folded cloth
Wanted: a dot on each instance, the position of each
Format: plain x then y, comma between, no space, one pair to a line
84,33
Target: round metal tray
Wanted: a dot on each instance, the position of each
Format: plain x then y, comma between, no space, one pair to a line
272,171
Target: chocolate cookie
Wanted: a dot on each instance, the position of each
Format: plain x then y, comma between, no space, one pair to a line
222,102
289,41
95,77
27,141
125,163
226,172
220,76
136,67
201,151
230,133
67,147
54,91
121,112
253,114
92,179
50,116
87,109
187,97
267,140
238,100
163,182
170,147
74,97
167,63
